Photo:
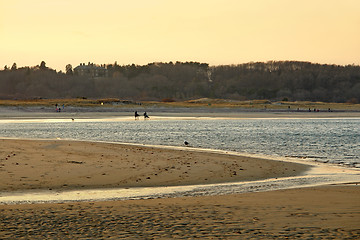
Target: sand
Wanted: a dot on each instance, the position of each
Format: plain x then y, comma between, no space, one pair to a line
156,113
60,164
330,212
327,212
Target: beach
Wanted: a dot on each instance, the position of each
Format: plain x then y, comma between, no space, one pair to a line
58,165
160,113
329,212
62,164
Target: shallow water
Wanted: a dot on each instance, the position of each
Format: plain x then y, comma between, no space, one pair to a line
317,177
326,140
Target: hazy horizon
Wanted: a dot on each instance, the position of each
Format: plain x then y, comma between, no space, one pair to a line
62,32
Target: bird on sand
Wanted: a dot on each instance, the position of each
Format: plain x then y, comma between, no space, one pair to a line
186,143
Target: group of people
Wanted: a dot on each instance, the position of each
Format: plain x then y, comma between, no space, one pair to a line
146,116
58,108
318,110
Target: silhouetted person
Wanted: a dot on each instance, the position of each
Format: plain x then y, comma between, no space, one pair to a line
145,115
136,115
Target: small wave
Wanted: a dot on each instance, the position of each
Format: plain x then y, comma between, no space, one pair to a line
306,156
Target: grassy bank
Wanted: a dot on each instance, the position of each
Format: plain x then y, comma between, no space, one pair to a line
203,102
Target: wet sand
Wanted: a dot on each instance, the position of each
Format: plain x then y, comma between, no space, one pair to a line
308,213
160,113
329,212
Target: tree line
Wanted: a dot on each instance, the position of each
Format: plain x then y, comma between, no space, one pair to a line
273,80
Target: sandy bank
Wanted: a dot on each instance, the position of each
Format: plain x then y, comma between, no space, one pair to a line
58,164
329,212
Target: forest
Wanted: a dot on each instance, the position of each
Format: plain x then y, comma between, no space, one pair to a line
273,80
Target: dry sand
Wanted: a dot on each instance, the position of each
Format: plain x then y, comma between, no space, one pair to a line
329,212
58,164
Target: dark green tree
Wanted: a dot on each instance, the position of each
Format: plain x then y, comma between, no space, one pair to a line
14,66
69,70
43,65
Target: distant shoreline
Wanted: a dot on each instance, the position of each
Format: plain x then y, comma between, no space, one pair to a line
36,112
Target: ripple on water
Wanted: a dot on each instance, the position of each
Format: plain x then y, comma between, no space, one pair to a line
336,140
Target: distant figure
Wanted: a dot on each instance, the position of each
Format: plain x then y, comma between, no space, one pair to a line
136,115
145,116
72,119
186,143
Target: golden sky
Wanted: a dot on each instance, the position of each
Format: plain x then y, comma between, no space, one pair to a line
212,31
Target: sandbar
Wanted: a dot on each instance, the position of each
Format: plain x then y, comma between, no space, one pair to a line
65,164
161,113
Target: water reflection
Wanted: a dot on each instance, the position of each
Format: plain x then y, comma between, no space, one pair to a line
42,196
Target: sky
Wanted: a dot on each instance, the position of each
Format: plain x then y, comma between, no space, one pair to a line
218,32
